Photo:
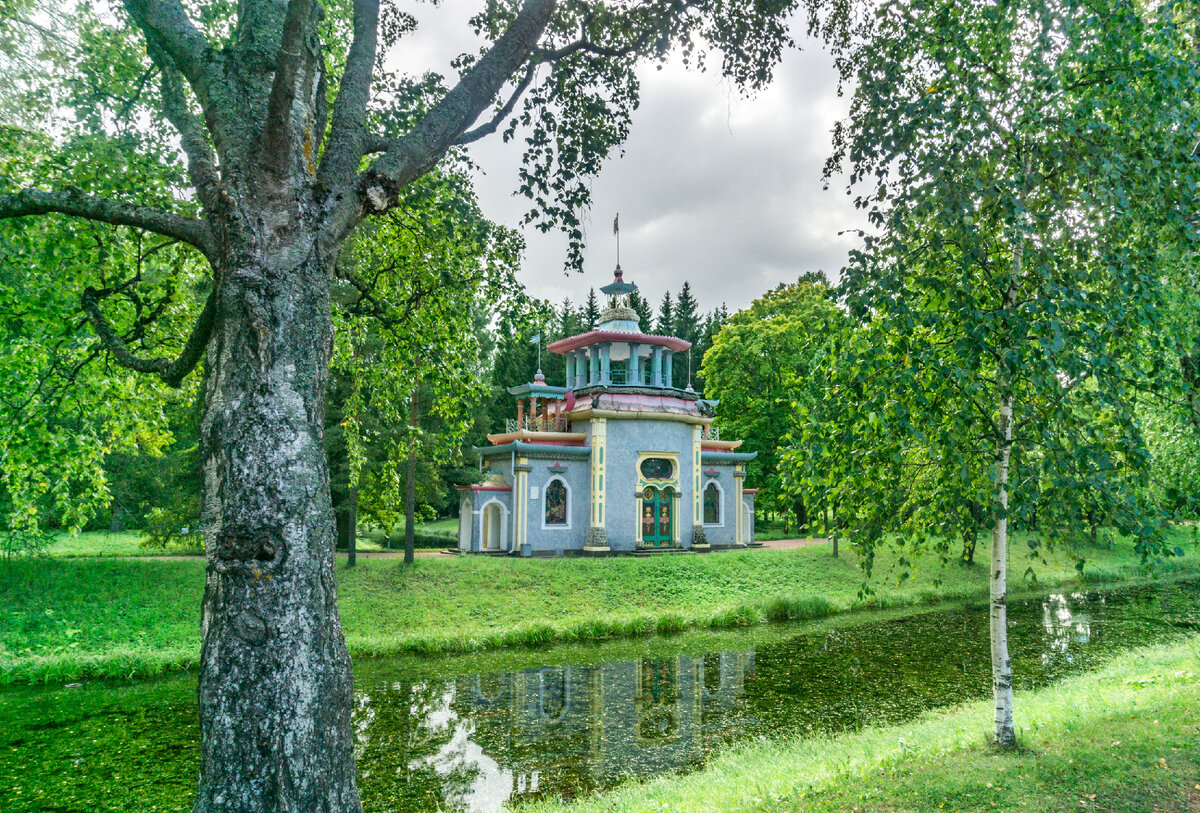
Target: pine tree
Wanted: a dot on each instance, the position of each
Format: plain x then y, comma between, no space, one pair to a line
591,311
666,318
567,319
643,310
687,320
712,325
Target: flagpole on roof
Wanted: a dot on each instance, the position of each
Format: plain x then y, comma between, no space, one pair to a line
617,232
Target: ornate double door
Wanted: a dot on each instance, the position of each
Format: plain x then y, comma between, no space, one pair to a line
658,518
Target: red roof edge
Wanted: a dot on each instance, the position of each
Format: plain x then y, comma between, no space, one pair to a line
672,343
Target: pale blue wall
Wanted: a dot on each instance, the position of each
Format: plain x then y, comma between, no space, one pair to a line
576,478
724,533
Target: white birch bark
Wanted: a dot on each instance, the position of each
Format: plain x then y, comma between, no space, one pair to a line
1005,734
1001,666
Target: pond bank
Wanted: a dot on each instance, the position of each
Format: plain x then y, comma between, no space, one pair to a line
473,732
1122,738
64,620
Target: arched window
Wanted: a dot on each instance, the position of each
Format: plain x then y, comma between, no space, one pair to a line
556,503
712,504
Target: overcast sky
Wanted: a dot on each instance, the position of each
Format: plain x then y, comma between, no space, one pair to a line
713,188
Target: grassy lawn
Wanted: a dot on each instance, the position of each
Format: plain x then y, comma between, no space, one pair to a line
444,531
65,618
129,543
1125,738
103,543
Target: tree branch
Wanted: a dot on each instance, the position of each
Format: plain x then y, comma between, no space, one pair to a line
33,201
372,144
501,114
166,23
277,133
201,162
171,372
348,141
415,153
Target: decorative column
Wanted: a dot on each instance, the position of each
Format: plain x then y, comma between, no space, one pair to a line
668,379
656,367
520,494
520,412
569,370
634,364
593,365
605,364
739,475
597,535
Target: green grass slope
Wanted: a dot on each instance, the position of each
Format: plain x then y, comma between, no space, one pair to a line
67,618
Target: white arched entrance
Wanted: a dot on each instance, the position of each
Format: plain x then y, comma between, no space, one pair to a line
492,528
747,523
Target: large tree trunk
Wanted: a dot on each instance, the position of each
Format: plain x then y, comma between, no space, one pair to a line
275,680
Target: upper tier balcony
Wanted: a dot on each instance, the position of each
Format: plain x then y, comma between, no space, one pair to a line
542,423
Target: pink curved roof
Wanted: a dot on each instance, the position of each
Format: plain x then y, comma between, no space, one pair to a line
672,343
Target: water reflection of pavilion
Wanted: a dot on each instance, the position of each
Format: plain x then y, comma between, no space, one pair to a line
584,726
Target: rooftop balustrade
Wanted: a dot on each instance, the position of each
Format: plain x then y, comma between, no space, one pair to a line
542,423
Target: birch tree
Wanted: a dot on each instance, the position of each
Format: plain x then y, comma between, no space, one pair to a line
1021,164
291,135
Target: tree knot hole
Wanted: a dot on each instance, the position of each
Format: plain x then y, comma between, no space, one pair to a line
251,628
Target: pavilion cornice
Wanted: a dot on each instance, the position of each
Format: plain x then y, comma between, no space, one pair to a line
525,449
726,457
672,343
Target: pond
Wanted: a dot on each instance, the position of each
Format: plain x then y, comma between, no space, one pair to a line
473,733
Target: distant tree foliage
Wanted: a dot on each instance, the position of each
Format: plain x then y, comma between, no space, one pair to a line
760,367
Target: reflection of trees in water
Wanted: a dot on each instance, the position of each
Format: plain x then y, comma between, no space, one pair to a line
572,729
890,671
407,739
1065,627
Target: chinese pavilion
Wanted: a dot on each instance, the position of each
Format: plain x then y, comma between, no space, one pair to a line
616,460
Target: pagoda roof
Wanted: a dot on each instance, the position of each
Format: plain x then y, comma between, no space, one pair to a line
618,285
538,390
561,346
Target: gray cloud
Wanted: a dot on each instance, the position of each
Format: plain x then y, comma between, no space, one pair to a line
713,188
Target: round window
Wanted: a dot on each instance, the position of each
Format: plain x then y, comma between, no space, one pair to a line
658,468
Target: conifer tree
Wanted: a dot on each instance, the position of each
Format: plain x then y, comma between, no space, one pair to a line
687,327
687,320
591,311
643,310
666,316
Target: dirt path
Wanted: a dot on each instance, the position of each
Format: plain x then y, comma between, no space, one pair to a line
792,544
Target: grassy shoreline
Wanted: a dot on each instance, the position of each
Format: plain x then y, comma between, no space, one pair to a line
63,619
1121,738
